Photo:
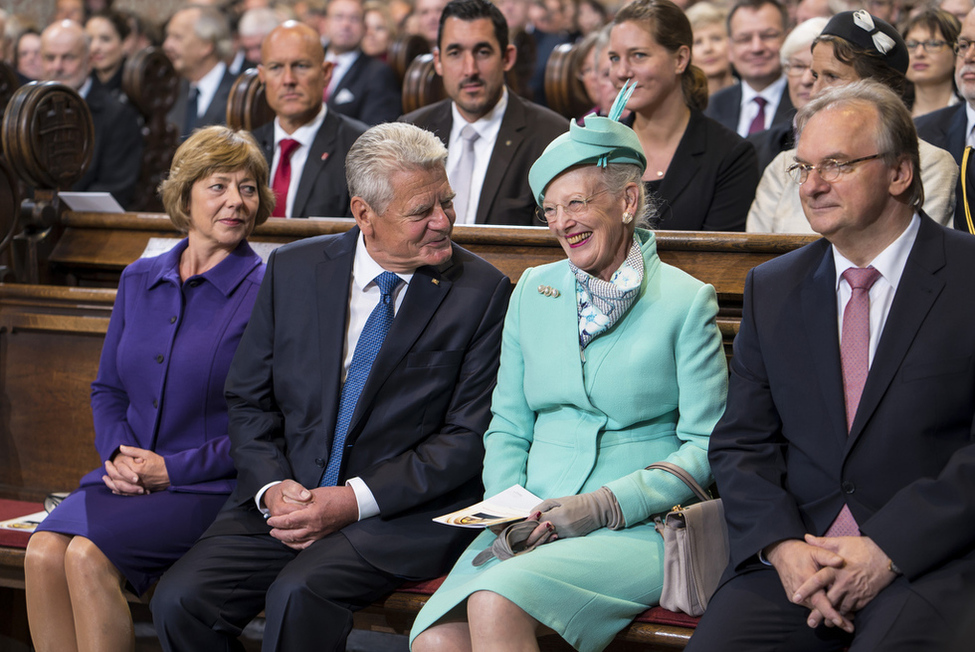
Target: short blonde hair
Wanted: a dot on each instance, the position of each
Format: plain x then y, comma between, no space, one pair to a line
705,14
210,150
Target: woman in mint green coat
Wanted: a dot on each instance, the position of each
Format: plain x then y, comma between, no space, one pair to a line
610,361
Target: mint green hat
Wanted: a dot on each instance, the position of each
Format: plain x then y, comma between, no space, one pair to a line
599,141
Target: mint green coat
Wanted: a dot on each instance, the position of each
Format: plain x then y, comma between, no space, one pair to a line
651,388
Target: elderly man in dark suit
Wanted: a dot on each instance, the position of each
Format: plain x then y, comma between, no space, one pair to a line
951,128
493,135
845,457
117,153
361,87
306,143
757,29
348,440
198,43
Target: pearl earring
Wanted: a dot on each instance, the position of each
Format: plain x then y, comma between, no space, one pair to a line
627,217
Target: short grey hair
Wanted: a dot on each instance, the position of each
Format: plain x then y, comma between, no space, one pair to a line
616,176
384,150
896,136
213,27
801,37
259,21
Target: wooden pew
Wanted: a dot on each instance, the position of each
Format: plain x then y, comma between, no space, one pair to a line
150,82
95,247
564,90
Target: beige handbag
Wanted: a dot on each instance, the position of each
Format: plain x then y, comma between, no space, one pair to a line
695,548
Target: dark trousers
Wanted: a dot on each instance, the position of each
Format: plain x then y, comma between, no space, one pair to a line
751,613
206,599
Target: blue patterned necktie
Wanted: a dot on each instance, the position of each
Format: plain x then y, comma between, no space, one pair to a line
370,341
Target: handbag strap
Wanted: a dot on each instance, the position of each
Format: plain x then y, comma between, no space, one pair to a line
684,476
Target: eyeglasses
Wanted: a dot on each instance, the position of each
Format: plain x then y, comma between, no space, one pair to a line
963,46
928,46
829,170
573,208
796,69
764,37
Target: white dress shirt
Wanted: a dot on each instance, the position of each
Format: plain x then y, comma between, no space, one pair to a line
487,129
340,65
207,87
364,296
890,263
749,108
305,135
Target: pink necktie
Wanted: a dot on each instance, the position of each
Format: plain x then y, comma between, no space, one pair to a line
282,177
855,358
758,124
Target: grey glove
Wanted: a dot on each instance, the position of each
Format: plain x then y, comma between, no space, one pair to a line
513,540
576,516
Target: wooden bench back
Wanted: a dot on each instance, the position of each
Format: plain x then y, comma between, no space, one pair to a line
51,337
247,106
151,84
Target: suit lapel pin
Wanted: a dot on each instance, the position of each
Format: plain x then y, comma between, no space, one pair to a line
549,291
325,156
435,281
507,143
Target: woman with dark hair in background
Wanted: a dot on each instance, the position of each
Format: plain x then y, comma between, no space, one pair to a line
27,55
931,37
107,30
703,174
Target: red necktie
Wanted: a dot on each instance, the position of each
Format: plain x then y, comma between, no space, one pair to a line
758,124
282,177
855,358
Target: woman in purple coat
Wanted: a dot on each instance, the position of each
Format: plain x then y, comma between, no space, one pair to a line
158,405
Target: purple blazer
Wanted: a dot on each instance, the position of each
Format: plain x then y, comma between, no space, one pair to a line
166,355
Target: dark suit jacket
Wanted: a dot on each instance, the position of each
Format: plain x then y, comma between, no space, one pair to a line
526,130
216,113
725,107
711,181
117,155
781,455
415,436
770,143
322,190
945,128
368,92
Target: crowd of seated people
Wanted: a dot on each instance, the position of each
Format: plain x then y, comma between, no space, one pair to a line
754,85
849,121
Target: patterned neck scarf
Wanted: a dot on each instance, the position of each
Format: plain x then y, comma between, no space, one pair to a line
600,303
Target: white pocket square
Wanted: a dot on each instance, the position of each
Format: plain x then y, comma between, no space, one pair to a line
344,97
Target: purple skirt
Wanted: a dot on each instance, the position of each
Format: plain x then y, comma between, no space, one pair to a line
141,535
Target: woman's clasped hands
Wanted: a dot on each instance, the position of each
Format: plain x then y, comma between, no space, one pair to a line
135,471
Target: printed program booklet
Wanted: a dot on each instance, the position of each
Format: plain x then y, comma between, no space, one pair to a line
23,523
512,504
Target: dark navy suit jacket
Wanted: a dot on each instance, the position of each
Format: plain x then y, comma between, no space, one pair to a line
415,435
725,107
945,128
781,455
